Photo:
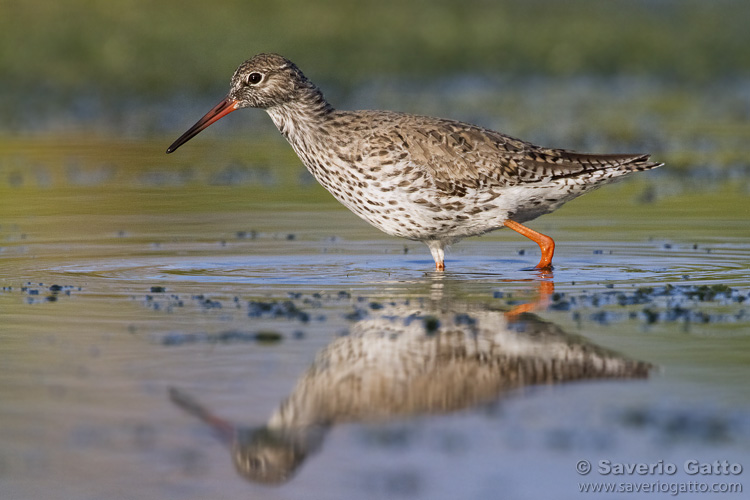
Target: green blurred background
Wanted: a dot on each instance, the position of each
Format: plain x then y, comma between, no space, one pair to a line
671,77
158,48
108,50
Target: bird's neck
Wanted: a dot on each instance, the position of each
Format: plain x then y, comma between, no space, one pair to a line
301,116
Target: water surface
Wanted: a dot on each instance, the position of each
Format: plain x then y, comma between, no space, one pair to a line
200,327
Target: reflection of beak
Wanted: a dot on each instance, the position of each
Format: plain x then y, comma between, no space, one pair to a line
222,109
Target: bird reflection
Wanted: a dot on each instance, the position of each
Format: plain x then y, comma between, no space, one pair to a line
403,361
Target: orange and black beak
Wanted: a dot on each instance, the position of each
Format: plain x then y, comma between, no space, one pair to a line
220,110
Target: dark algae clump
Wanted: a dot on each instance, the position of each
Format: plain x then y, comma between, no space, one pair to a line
655,304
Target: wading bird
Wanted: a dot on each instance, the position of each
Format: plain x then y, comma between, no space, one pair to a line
426,179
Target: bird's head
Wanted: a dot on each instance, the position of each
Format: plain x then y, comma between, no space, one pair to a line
265,81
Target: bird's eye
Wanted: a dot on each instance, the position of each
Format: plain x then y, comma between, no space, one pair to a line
253,78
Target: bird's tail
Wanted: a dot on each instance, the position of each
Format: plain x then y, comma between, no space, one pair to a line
624,162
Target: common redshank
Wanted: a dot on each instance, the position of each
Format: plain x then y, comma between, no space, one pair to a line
422,178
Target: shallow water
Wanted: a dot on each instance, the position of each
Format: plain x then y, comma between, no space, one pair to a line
155,314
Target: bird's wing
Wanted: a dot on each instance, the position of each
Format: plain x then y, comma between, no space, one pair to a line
460,156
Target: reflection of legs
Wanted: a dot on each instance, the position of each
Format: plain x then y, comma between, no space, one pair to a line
546,244
546,289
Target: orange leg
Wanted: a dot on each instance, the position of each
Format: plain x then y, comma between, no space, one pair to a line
546,244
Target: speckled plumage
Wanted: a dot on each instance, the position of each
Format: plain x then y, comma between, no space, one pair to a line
427,179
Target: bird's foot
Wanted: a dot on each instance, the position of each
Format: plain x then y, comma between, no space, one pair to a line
542,269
